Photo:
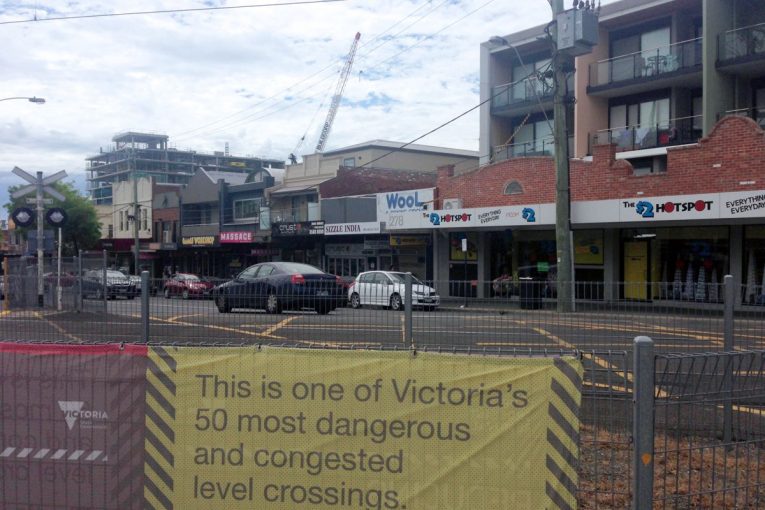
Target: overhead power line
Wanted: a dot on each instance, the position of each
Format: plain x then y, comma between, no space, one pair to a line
171,11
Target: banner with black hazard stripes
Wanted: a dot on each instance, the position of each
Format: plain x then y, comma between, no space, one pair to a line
291,429
162,428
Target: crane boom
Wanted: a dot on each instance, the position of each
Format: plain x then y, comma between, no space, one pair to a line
338,95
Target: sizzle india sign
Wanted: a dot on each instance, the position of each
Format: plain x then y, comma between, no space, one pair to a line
242,428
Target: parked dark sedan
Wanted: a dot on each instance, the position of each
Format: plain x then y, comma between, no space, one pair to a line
275,286
117,285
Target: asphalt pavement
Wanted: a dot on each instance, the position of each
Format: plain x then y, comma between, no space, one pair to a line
198,322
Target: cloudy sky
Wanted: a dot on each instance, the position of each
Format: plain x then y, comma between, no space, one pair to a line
257,78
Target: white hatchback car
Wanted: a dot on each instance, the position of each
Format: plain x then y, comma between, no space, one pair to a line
388,288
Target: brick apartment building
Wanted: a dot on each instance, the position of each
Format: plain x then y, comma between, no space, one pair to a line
667,172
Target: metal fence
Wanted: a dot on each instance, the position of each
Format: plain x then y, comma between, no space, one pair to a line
703,380
198,310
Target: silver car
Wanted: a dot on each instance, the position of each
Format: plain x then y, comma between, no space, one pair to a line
388,289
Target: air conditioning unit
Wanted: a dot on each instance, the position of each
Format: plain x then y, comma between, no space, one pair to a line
452,203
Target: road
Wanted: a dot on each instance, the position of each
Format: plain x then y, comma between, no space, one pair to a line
480,326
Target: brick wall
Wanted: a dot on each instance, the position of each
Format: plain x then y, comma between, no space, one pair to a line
733,152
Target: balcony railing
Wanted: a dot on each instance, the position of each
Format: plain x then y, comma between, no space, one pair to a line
756,114
647,136
742,42
647,63
540,147
528,89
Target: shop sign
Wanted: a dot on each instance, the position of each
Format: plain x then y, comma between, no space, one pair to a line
264,252
746,204
235,237
376,244
670,208
335,229
391,207
198,241
408,241
664,208
301,228
501,216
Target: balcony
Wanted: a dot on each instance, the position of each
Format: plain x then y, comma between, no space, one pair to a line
678,131
742,50
642,70
756,114
525,92
540,147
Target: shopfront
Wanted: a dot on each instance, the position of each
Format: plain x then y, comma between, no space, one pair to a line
299,241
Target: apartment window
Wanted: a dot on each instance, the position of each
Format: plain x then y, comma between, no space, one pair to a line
122,221
652,45
110,231
636,113
349,162
533,138
528,89
247,209
144,219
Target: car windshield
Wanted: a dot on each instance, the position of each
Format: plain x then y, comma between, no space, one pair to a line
294,268
401,278
190,278
114,274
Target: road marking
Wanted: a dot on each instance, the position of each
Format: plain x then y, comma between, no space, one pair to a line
221,328
279,325
59,328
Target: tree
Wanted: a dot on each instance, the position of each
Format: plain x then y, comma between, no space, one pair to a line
82,231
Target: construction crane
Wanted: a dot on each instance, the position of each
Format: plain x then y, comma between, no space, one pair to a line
338,95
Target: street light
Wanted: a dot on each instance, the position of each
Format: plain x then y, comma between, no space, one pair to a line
38,100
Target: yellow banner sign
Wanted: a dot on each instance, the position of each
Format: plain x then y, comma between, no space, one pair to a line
198,241
275,428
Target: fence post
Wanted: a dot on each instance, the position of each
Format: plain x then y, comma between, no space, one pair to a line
145,307
78,298
408,306
643,423
105,288
728,346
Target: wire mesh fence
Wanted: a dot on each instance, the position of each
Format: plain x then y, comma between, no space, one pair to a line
710,405
710,415
102,304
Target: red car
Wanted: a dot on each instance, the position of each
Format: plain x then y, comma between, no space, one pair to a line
187,286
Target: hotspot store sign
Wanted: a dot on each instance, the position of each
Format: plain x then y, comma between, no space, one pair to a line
339,229
707,206
235,237
502,216
393,206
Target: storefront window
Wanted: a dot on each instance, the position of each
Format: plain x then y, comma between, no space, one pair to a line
685,263
753,276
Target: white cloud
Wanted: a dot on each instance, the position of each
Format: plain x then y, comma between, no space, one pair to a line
175,73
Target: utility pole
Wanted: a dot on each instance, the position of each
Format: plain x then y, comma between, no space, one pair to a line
563,245
136,226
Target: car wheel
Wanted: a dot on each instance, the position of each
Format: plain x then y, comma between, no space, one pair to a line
395,303
223,304
324,310
355,300
185,294
272,303
167,293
